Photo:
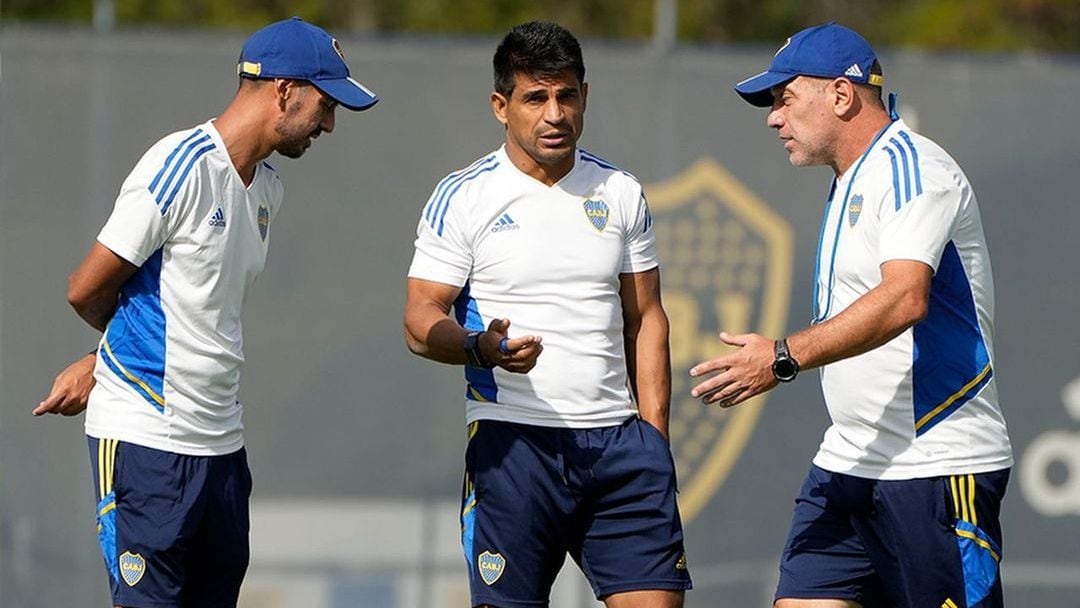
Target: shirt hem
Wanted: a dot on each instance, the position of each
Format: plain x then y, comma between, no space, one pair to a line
474,413
164,445
896,473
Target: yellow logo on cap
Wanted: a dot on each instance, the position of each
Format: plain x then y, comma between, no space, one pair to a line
249,67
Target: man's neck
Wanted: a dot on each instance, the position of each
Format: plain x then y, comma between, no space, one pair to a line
545,174
240,128
856,137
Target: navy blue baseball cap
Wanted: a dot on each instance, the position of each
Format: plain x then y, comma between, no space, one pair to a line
298,50
826,51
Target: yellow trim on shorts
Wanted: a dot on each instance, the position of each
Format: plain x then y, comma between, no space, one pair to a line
978,541
963,495
106,465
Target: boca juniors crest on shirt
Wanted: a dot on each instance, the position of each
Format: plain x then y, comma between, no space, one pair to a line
597,212
132,568
491,566
854,209
264,221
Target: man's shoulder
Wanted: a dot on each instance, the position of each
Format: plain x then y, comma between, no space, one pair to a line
480,168
597,171
173,154
600,168
907,164
177,141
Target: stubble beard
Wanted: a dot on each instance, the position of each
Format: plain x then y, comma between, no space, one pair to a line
292,142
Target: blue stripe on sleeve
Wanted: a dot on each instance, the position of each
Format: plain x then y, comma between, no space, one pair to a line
914,161
907,177
448,181
895,177
598,161
187,169
464,180
169,159
160,196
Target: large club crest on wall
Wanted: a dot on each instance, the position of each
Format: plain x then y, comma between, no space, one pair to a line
726,262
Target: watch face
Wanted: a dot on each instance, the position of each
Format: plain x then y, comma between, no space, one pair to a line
784,369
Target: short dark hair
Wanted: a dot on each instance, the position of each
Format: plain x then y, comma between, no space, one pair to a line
536,48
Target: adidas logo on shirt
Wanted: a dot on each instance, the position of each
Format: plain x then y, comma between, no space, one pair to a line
854,71
218,219
505,223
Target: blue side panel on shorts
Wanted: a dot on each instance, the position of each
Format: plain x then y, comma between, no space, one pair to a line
980,555
951,361
134,343
106,519
468,527
481,382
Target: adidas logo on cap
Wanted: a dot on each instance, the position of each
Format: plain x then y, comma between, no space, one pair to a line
854,71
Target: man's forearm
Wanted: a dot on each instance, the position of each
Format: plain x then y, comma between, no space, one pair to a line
96,313
649,363
434,335
874,319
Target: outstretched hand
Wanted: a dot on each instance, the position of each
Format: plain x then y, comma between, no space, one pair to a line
739,375
71,389
516,355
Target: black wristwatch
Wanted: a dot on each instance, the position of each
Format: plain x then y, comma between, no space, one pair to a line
784,367
473,355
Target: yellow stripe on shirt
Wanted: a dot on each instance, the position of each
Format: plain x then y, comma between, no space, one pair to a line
149,391
952,399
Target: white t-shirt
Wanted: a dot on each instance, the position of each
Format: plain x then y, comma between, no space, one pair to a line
548,259
925,403
168,366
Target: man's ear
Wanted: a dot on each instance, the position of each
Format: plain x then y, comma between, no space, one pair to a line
498,106
845,99
283,91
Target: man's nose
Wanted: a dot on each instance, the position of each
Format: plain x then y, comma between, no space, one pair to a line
774,119
327,123
553,111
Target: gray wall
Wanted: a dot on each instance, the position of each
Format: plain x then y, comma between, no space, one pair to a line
338,409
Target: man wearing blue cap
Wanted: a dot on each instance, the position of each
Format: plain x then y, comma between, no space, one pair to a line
164,283
901,506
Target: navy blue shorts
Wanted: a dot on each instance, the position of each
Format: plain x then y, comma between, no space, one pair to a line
173,528
534,494
916,543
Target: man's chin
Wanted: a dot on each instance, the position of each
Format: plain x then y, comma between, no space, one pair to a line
551,156
291,151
